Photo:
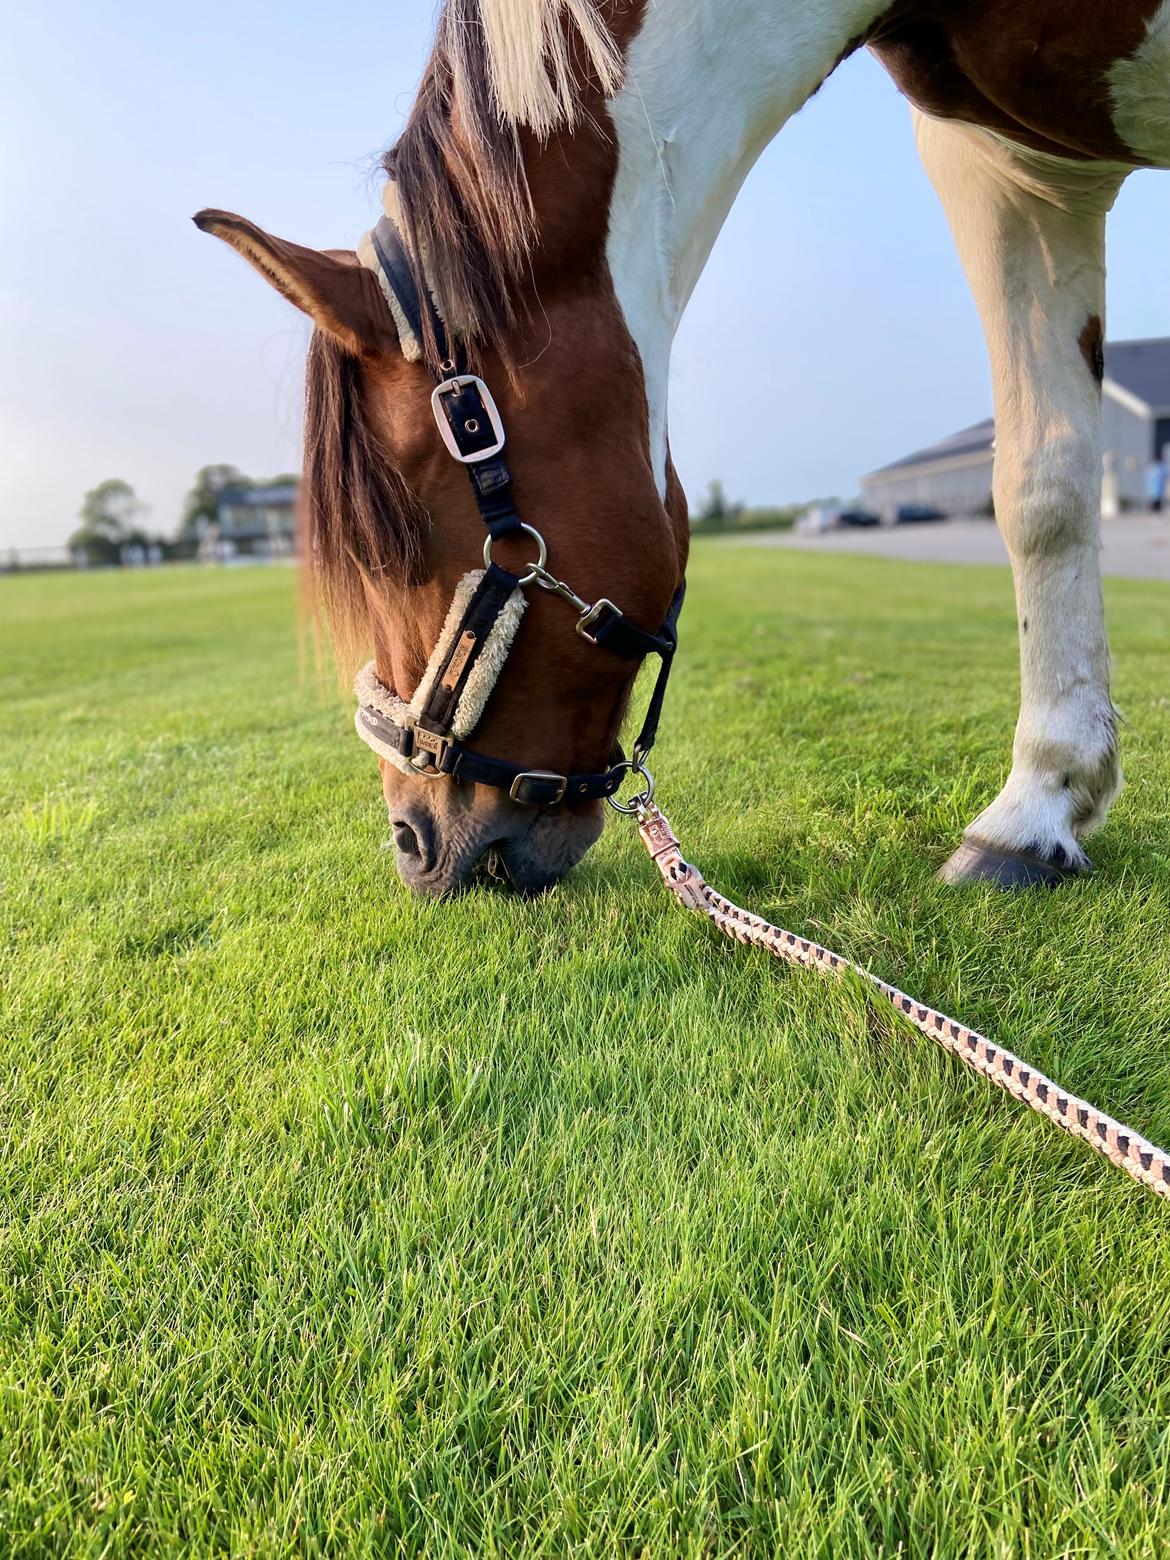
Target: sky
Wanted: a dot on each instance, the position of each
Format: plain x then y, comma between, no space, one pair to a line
831,333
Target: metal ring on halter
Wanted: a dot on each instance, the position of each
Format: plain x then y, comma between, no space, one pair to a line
636,804
534,569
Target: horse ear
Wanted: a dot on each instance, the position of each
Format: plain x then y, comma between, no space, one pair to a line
331,286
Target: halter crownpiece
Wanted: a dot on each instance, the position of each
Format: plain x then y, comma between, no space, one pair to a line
426,736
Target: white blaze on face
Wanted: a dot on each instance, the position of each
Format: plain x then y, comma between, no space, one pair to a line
708,83
1141,93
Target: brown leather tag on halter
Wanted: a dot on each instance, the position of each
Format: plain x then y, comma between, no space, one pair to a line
458,661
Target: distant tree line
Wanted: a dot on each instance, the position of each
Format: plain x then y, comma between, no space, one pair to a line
717,513
112,517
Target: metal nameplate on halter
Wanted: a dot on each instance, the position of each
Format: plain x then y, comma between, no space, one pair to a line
453,386
458,661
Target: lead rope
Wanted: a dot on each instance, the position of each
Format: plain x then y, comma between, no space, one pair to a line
1127,1149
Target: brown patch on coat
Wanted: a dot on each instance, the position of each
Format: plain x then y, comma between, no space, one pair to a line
1092,344
1091,340
1036,71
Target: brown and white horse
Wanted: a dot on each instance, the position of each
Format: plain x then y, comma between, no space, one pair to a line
562,177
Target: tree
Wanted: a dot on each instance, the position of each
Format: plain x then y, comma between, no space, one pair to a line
202,502
108,514
715,511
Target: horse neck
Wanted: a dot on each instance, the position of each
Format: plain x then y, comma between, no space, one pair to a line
708,85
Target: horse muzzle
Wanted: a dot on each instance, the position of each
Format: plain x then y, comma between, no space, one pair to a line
450,839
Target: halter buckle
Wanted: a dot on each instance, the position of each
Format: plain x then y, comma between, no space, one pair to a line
561,782
596,612
433,745
446,427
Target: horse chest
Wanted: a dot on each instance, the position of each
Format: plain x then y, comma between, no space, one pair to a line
1053,75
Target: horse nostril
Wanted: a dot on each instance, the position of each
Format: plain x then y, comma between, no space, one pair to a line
405,838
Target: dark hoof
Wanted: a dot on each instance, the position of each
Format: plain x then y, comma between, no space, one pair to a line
973,863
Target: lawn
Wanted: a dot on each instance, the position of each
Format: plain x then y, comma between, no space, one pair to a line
339,1224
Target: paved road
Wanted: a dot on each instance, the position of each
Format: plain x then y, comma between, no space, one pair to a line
1133,545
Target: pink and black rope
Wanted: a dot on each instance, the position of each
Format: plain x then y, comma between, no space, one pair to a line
1127,1149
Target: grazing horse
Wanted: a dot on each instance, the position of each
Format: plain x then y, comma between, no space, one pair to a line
555,194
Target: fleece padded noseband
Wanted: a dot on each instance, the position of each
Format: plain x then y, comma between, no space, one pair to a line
460,675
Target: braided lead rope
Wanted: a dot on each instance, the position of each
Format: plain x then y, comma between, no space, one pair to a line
1127,1149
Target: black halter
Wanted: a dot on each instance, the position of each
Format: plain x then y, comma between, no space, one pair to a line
473,433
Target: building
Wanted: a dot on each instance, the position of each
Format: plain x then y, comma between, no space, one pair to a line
252,521
955,474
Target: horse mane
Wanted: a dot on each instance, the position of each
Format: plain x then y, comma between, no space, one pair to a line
463,203
360,522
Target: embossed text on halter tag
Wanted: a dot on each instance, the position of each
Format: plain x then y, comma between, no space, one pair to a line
458,661
428,741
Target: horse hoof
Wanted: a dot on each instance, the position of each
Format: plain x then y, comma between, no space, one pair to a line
976,863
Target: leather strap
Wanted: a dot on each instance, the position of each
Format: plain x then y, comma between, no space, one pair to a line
468,418
491,480
532,787
669,640
614,631
535,788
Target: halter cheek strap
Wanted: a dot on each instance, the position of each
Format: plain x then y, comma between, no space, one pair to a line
425,737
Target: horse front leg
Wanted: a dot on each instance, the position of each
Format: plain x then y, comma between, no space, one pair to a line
1031,234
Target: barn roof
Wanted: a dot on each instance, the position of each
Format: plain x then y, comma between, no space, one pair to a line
969,441
1142,368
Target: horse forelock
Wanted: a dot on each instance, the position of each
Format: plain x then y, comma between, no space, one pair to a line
499,70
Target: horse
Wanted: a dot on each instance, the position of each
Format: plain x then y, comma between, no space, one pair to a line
551,203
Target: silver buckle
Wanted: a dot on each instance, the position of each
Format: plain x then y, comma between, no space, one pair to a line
587,619
539,774
457,382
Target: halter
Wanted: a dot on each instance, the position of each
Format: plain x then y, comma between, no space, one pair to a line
426,736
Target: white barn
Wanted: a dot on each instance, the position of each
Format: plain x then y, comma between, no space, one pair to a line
954,475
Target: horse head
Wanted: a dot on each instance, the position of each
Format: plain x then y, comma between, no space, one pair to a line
500,234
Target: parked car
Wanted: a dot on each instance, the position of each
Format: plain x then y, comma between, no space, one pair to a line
911,514
817,520
858,517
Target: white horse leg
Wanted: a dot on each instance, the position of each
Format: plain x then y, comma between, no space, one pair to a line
1031,234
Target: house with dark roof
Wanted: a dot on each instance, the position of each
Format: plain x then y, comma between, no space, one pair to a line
954,475
253,521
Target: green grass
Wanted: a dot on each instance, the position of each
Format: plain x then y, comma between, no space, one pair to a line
332,1223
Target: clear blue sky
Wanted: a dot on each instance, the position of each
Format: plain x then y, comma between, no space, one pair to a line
133,346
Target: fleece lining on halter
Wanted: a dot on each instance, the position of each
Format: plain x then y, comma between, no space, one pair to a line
374,694
409,343
407,340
